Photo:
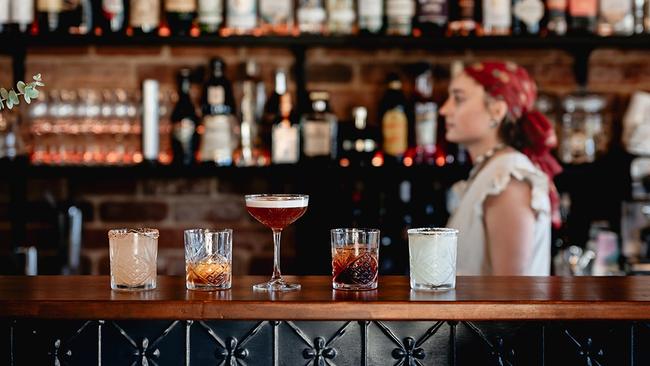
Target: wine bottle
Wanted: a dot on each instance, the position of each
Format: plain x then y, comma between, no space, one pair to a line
557,17
371,16
432,17
277,17
394,121
319,130
400,15
426,124
4,16
497,17
180,16
583,15
311,16
184,122
285,133
241,16
340,17
463,18
111,17
527,16
48,16
22,15
144,16
210,15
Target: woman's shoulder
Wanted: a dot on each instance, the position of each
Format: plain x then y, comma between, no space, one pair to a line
513,163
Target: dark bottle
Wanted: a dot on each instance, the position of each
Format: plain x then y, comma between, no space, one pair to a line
394,121
21,15
111,17
180,16
463,14
48,16
527,16
319,130
358,142
219,125
78,16
583,15
556,23
210,16
185,138
144,16
432,17
426,118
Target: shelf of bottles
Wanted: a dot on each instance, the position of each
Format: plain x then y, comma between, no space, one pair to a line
362,23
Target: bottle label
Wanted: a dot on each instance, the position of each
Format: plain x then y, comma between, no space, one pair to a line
615,10
218,142
276,11
53,6
311,13
317,138
466,9
433,11
113,6
371,8
242,14
285,144
210,11
145,13
395,130
4,11
496,13
341,11
183,132
22,12
529,11
425,124
216,95
180,6
557,5
583,8
400,8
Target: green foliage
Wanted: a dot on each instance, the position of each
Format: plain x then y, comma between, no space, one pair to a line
29,91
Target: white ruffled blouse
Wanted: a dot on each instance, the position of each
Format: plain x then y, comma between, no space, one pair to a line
466,204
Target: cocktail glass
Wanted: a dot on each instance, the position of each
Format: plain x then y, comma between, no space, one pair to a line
277,211
355,258
133,254
432,258
208,259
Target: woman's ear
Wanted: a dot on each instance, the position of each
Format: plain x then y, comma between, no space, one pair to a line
498,109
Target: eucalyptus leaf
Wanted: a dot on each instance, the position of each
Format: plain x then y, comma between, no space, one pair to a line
4,93
28,100
39,83
13,97
33,93
20,86
2,105
10,103
37,77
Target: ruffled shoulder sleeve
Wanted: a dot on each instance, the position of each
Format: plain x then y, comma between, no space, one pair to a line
497,174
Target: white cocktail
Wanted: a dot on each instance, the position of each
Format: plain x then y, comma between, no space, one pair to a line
133,254
432,258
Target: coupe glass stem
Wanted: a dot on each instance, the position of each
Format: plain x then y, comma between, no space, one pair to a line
277,276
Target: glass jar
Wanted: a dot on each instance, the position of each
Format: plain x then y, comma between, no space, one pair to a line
583,134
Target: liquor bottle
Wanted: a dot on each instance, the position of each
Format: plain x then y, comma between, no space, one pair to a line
48,16
76,16
557,17
583,16
241,16
370,16
527,16
285,133
219,138
210,16
462,18
111,17
340,17
400,15
393,112
277,17
311,16
616,17
4,16
180,16
252,152
497,17
639,15
272,109
22,15
150,120
319,130
144,16
358,143
426,118
432,17
184,122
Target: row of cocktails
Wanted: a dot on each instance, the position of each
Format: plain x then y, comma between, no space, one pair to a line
208,253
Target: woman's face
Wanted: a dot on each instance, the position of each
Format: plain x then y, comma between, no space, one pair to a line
466,115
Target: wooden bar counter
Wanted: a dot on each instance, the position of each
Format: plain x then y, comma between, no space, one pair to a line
78,320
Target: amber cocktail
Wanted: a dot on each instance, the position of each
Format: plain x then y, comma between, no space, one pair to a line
355,259
277,211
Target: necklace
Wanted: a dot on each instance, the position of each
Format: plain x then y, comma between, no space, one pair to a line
481,160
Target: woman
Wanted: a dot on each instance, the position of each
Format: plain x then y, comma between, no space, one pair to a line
506,206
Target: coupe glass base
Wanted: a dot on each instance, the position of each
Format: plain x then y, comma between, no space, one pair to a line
277,285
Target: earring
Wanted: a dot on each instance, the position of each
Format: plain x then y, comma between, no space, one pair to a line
494,123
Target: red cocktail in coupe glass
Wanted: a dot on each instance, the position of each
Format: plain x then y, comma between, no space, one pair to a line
277,211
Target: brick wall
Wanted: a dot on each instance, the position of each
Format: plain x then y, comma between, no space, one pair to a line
353,77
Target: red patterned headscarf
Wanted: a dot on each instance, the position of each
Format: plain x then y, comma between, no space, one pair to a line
511,83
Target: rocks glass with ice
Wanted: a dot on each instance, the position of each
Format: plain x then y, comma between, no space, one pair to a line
133,254
208,259
355,258
277,211
432,258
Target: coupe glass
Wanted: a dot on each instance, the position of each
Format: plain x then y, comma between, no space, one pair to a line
277,211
